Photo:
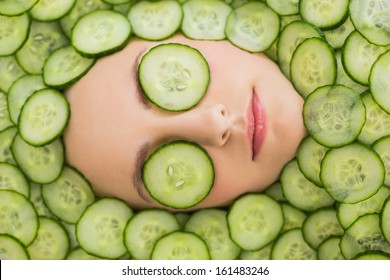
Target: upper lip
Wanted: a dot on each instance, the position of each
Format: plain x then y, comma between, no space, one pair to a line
256,125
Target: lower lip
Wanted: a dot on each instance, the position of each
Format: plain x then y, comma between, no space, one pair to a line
256,126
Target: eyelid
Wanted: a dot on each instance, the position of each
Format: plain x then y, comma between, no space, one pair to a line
137,178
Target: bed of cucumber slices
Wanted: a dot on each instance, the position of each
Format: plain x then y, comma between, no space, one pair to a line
331,202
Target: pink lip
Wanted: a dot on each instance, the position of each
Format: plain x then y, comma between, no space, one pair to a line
256,125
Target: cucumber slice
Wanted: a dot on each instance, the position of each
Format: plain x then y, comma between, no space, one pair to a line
12,249
81,7
262,254
336,37
100,229
385,220
380,81
180,245
41,165
11,178
254,220
377,123
284,7
68,196
372,19
15,8
324,14
320,225
363,235
37,201
51,10
382,147
313,65
329,249
100,33
293,217
334,115
211,225
10,72
352,173
358,57
5,120
204,19
43,39
344,79
64,67
179,174
6,138
43,117
78,254
348,213
309,157
52,242
275,191
22,89
145,228
290,37
155,20
253,26
372,255
174,77
300,192
13,33
18,217
290,245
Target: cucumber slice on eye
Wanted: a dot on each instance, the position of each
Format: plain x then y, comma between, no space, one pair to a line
352,173
173,76
334,115
43,117
155,20
179,174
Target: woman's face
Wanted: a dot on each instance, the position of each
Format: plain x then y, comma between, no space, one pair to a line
249,121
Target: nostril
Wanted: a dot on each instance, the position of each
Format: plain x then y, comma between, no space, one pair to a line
225,135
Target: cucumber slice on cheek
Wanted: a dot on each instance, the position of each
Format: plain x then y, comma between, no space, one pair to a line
179,174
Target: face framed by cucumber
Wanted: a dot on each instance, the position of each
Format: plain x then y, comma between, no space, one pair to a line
340,169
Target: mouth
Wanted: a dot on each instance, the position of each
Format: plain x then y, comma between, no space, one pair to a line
256,125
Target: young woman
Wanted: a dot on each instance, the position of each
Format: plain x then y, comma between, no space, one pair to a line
249,121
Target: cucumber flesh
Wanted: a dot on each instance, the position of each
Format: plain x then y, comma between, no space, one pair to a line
179,174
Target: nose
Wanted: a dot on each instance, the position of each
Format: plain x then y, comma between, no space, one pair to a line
208,125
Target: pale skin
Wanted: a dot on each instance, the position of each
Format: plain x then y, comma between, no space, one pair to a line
113,129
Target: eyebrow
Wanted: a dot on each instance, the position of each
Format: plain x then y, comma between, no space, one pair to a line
137,176
141,98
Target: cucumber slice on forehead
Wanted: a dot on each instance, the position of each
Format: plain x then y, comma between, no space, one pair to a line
179,174
173,76
155,20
